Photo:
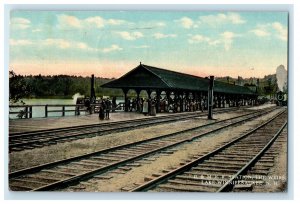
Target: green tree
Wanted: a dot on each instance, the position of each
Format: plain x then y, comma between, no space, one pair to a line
18,88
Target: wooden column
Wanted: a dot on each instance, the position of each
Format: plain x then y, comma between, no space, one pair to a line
30,111
223,101
63,111
158,92
168,93
125,91
46,111
26,112
138,91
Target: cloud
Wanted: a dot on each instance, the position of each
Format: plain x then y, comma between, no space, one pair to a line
112,48
13,42
264,30
281,31
115,22
66,44
212,20
130,36
161,35
141,47
60,43
185,22
227,38
194,39
161,24
146,25
198,39
221,18
36,30
67,21
260,32
96,21
20,23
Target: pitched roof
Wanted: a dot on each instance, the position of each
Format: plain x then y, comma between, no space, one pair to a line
144,76
177,80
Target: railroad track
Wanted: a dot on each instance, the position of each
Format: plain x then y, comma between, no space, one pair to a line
38,139
62,173
236,166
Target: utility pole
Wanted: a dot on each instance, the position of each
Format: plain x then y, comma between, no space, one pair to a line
210,97
93,95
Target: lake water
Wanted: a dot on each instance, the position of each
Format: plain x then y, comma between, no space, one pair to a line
39,111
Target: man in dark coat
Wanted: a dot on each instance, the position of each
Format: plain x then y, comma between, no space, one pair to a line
101,110
108,107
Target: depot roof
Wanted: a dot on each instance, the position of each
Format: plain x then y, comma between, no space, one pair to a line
149,77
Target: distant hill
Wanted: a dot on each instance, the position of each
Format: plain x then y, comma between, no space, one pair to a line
266,85
65,86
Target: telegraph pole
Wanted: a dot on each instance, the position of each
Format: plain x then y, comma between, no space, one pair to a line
210,97
93,95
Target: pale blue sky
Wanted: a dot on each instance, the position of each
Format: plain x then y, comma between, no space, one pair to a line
109,44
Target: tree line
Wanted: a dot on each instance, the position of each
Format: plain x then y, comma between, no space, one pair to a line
265,86
56,86
65,86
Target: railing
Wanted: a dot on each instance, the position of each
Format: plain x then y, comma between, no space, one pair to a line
26,111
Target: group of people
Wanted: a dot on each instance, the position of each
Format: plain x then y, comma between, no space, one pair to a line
149,106
104,109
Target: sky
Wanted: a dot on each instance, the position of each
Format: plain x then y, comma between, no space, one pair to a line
111,43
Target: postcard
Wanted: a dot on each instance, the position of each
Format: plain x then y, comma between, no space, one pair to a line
148,101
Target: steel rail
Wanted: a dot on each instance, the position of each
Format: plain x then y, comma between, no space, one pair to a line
103,131
52,164
228,186
90,174
87,175
54,130
107,131
161,179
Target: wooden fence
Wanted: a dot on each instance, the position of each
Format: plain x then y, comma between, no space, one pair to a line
26,111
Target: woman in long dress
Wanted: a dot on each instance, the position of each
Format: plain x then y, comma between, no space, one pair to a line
145,107
101,111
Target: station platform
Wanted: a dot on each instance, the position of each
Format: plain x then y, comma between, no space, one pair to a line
34,124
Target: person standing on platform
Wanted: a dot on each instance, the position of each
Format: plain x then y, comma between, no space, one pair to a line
166,106
141,104
108,107
202,104
101,110
114,104
152,108
145,107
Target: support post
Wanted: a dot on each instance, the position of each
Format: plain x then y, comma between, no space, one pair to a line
210,97
126,99
158,92
30,111
46,111
26,112
138,91
63,111
93,95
